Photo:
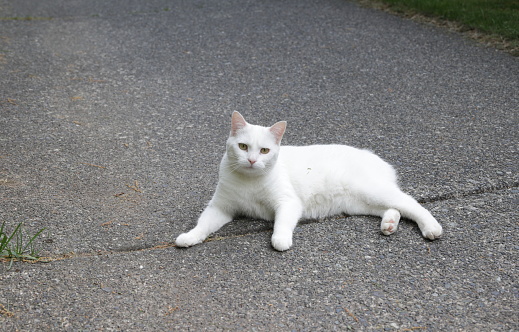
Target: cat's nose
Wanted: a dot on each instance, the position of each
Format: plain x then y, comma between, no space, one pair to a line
252,161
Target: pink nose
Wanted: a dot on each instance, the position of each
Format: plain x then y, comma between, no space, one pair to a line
252,161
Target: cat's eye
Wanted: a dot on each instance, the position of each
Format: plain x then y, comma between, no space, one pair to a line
264,150
242,146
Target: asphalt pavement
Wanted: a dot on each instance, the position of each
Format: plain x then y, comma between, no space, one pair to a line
113,119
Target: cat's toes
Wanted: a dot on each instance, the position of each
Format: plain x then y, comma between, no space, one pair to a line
388,227
390,222
432,232
187,240
281,243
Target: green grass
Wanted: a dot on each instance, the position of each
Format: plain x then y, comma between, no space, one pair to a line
17,245
496,20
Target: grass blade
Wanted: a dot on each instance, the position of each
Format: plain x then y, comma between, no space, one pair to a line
12,247
13,234
32,251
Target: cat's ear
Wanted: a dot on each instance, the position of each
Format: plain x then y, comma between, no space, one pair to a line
237,123
278,129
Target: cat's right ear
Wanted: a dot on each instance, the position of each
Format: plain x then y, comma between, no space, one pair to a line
237,122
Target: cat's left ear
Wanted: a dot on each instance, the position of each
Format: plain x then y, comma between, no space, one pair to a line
237,123
278,129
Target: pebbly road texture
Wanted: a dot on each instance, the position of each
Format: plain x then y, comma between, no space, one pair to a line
113,119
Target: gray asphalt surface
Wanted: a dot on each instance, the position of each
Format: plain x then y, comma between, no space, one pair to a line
114,116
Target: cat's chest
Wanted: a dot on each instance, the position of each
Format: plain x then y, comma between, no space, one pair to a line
251,199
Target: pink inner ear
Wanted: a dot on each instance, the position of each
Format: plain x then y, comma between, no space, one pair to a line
278,129
237,122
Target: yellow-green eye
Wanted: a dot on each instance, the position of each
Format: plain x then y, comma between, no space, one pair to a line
242,146
264,150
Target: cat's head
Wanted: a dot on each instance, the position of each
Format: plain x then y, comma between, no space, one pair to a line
252,149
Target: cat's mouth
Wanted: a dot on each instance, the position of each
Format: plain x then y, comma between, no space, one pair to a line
249,165
252,168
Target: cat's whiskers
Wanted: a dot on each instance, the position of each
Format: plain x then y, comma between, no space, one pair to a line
233,166
263,170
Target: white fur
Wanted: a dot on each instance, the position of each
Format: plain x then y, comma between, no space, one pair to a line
290,183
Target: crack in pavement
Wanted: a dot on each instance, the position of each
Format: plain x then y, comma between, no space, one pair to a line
437,198
468,193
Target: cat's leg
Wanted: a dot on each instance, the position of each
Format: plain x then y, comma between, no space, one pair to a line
211,220
383,200
390,220
410,208
287,216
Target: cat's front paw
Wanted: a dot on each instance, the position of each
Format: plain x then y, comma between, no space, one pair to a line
432,232
281,242
187,240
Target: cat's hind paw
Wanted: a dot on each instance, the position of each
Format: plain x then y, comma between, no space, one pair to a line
187,240
390,221
281,242
432,232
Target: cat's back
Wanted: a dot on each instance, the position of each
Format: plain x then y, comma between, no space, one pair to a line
325,154
333,161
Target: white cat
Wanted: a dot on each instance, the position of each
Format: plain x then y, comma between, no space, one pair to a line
259,178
